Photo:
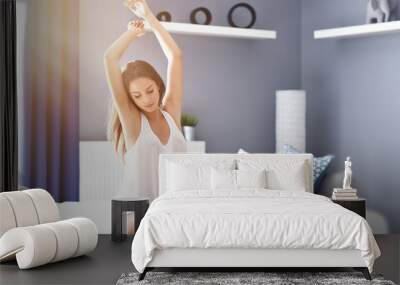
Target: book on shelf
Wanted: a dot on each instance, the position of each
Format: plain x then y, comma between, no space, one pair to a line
344,194
345,198
340,197
340,190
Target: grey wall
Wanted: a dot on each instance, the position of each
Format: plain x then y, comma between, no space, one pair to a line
354,105
352,86
229,83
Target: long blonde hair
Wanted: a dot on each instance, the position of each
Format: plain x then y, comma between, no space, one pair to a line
131,71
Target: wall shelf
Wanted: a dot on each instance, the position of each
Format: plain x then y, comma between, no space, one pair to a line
217,31
358,31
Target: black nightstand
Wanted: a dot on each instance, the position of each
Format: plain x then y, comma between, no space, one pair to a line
357,206
118,206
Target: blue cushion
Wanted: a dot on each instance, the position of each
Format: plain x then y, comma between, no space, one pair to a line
320,163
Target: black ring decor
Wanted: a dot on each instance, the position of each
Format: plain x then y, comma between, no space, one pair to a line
164,16
248,7
206,12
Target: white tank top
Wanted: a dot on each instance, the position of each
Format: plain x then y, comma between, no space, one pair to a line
140,178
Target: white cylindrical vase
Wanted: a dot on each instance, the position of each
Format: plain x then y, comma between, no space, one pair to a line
291,119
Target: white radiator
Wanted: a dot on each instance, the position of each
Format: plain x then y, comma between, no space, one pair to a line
100,171
100,176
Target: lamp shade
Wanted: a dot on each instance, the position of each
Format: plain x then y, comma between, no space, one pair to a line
291,119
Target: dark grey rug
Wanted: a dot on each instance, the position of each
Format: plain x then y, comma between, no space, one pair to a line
269,278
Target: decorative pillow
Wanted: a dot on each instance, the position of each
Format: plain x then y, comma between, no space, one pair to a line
237,179
320,163
187,177
282,174
223,179
275,177
251,178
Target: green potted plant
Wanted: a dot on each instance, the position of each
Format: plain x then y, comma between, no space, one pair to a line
188,123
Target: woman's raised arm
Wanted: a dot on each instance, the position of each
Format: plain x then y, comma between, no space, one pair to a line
127,111
172,101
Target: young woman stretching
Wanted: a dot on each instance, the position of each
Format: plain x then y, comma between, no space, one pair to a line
146,116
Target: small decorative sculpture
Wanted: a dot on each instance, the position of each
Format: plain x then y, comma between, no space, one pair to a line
347,174
379,11
206,12
164,16
248,7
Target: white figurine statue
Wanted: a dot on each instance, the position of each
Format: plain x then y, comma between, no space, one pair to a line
347,174
379,11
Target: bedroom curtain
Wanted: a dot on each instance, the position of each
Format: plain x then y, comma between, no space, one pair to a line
8,98
50,148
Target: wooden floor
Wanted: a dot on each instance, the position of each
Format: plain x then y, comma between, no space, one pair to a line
110,260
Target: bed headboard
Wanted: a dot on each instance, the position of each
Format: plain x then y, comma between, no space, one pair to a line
235,159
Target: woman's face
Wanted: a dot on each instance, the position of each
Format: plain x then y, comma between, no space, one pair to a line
145,94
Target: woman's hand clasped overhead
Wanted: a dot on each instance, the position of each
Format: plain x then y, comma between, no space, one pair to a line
137,27
139,8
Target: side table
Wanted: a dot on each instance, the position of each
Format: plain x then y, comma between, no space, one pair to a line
357,206
120,205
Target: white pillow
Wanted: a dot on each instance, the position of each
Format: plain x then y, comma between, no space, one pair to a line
223,179
251,178
282,174
189,175
238,179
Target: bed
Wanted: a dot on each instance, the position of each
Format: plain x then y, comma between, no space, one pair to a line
247,210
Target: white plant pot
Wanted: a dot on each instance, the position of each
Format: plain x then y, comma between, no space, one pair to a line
188,133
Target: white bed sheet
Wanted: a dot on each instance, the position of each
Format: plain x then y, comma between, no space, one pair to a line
250,218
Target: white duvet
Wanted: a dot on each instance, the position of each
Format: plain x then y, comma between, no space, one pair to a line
251,218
